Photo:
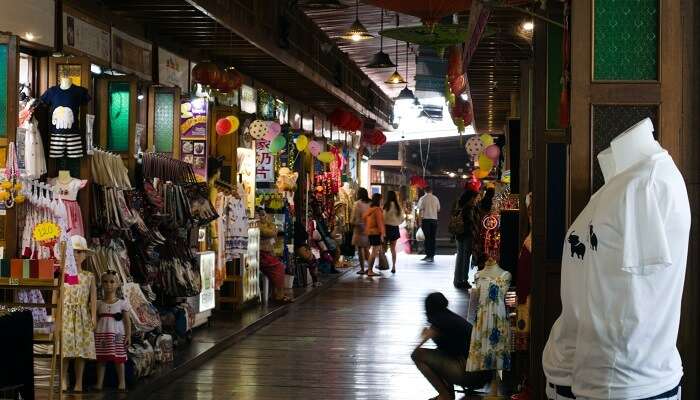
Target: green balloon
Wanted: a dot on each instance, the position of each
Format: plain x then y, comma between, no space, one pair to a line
277,144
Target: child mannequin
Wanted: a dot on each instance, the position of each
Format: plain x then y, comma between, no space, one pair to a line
79,313
113,330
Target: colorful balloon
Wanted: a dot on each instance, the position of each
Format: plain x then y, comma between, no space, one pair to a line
223,127
235,123
474,146
302,142
314,148
485,163
325,157
481,174
277,144
486,139
275,128
492,152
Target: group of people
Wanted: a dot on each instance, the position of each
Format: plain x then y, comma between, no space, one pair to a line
375,226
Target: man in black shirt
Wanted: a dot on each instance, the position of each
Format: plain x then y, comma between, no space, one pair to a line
445,366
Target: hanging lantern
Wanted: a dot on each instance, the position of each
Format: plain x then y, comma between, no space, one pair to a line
206,73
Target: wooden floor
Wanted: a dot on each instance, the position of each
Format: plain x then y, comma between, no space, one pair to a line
352,341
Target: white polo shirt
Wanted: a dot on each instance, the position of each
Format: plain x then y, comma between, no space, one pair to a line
429,206
623,271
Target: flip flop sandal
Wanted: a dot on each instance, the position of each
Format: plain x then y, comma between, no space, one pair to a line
361,272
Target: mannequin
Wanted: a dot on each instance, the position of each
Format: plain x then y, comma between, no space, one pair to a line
633,145
66,188
65,101
79,317
629,244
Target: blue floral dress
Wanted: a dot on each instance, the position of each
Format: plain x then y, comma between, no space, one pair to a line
490,341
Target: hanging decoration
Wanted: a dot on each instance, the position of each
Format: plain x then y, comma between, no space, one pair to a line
301,142
457,90
277,144
257,129
325,157
314,148
474,146
486,139
418,181
227,125
345,120
485,163
206,74
10,188
492,152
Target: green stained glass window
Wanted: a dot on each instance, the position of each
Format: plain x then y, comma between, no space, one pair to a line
163,129
3,90
626,40
554,72
118,130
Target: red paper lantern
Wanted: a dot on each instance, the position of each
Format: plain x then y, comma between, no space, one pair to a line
345,119
355,124
335,117
454,62
206,73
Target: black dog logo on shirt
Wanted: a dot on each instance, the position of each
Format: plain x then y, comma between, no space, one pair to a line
577,248
593,238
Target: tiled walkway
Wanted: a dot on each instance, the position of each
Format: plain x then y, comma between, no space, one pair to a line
352,341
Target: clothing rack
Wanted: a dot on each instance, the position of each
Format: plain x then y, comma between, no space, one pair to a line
55,285
161,166
108,169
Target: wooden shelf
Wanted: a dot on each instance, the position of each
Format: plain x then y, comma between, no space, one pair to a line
27,283
46,338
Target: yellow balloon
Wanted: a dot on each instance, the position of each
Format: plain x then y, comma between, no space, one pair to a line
481,174
486,139
485,163
302,142
235,123
325,157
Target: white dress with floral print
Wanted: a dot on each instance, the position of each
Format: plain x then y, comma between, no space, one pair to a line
78,337
490,341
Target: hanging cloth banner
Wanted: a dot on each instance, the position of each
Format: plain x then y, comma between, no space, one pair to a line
478,18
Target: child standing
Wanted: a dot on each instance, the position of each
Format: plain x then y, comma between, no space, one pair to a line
376,230
113,331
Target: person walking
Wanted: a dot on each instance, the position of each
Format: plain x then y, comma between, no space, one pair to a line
359,236
393,217
466,235
374,224
428,209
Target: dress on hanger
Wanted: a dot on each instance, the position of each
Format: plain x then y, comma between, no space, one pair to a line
78,338
68,192
34,160
490,341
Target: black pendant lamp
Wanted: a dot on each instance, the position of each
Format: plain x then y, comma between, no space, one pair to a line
406,93
381,59
395,78
357,31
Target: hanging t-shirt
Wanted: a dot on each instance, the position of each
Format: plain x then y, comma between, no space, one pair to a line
623,270
64,108
68,190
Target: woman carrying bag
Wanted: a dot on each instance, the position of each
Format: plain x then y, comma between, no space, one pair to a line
393,217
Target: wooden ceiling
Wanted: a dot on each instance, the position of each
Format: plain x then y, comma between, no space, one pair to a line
493,73
188,27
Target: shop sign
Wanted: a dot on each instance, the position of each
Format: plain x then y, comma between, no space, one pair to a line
173,70
352,165
32,20
131,55
193,118
246,174
193,135
248,99
264,162
207,266
84,38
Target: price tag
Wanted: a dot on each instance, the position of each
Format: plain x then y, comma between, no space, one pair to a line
14,281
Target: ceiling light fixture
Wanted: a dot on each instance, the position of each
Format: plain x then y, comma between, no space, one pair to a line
381,59
395,78
29,36
406,93
528,26
464,176
452,174
357,31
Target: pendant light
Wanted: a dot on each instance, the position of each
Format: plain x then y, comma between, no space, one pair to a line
381,59
406,93
395,78
357,31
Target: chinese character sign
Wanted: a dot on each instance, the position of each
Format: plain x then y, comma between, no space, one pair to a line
264,162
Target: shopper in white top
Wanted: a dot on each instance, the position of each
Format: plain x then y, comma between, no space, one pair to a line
428,209
623,271
393,217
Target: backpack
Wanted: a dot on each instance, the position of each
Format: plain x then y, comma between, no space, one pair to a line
456,225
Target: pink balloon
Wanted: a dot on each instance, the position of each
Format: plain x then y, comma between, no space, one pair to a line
275,128
314,148
492,152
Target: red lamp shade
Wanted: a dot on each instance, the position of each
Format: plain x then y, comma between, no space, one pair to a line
206,73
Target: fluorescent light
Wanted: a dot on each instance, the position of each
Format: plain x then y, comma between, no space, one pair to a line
528,26
95,69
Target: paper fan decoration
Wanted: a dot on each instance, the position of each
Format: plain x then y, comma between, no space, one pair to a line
258,129
474,146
